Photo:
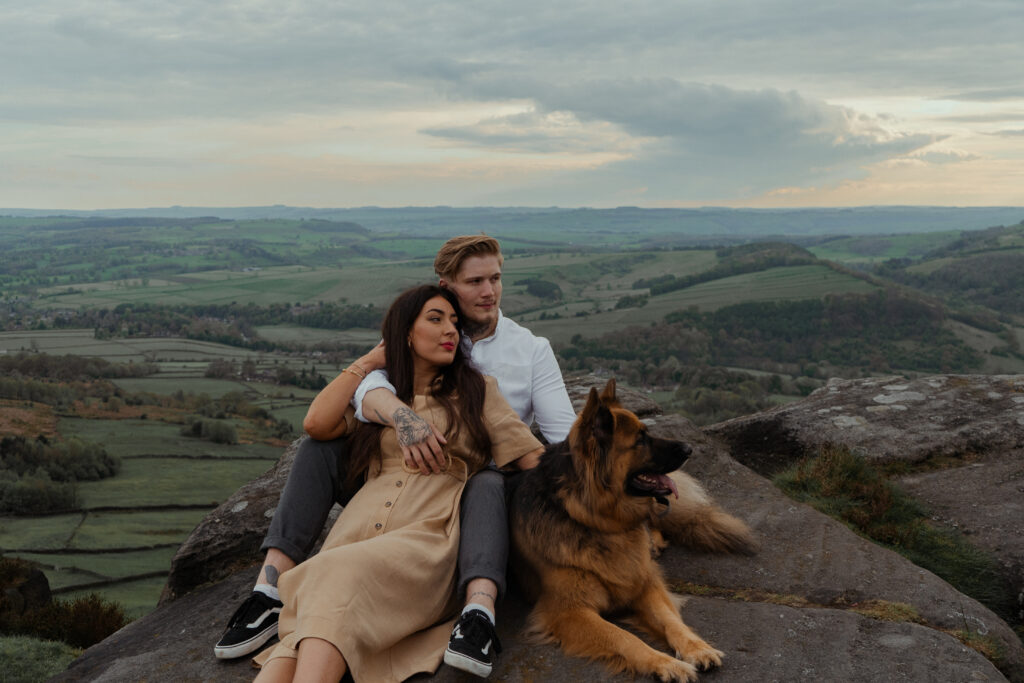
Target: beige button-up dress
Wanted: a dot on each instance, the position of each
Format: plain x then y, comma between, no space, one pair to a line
382,587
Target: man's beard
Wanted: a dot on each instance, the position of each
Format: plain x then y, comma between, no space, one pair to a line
474,328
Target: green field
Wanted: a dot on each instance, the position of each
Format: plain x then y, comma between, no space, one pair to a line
132,439
27,660
130,548
795,282
52,532
138,597
878,248
311,335
182,364
984,342
85,568
377,284
56,265
114,530
174,481
579,275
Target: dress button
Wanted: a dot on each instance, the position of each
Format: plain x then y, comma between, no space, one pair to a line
377,525
387,504
398,483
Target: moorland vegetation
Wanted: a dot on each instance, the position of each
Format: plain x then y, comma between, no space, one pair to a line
149,366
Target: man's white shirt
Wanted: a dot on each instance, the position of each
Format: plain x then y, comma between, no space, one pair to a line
527,373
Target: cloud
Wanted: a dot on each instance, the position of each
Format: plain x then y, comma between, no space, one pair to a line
665,100
994,95
989,117
952,156
137,161
147,58
684,139
1019,132
534,132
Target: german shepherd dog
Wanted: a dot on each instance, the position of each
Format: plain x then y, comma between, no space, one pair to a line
582,524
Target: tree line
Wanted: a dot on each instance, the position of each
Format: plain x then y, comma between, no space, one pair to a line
738,260
37,475
841,334
232,324
69,368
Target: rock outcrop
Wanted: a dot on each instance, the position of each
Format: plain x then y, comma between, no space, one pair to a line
817,603
886,419
967,429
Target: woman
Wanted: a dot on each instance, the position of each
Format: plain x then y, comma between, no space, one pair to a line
374,599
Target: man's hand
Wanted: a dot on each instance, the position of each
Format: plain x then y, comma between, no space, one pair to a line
421,442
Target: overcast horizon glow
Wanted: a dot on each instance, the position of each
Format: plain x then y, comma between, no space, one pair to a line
758,103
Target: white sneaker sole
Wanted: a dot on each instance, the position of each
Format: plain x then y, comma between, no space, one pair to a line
467,664
246,646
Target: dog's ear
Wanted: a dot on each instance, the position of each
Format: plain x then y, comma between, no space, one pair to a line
604,428
590,409
608,395
597,420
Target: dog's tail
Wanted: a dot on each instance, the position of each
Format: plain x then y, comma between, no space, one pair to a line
696,522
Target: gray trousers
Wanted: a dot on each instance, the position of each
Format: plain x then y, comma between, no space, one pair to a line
315,484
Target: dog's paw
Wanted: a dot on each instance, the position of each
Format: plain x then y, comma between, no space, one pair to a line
702,656
673,671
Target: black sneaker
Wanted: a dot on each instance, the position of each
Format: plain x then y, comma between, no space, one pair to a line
252,625
470,646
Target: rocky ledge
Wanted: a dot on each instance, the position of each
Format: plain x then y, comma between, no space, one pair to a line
817,603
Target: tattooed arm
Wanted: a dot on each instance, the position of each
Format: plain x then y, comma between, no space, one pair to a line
422,443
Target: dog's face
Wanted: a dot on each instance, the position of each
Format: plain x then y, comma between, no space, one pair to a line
614,451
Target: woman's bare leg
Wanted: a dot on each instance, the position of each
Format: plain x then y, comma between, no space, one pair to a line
275,564
484,592
319,662
277,670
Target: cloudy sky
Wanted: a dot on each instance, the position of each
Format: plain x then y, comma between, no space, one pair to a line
661,103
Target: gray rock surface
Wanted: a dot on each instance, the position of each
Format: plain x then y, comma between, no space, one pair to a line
886,419
229,537
30,590
983,499
763,642
807,607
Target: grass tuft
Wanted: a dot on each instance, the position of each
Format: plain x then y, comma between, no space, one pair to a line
884,610
990,647
28,660
852,489
80,622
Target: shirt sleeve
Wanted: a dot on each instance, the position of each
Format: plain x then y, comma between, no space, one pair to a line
552,408
510,437
378,379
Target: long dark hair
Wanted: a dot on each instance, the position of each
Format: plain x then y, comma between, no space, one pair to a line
460,391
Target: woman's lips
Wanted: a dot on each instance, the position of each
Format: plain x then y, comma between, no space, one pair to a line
449,345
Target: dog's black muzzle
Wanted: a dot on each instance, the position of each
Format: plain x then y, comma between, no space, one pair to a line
651,479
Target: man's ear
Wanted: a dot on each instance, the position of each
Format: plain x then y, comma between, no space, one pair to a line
442,283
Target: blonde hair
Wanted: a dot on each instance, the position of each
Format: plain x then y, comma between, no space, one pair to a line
456,250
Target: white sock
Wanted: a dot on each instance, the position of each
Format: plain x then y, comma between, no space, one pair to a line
477,606
268,590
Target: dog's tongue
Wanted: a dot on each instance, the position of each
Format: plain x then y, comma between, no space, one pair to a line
666,481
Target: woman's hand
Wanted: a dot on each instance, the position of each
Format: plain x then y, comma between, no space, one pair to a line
421,442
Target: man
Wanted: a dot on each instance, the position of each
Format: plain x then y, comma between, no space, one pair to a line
530,380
